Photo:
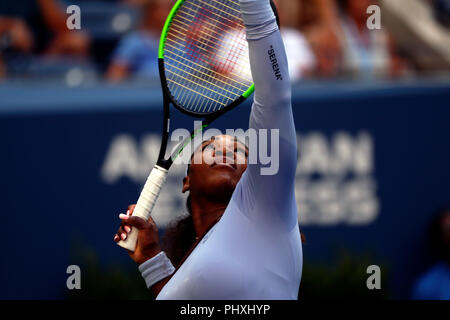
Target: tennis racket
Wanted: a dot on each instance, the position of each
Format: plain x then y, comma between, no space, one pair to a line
205,72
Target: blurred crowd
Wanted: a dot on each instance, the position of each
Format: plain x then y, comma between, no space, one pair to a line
325,39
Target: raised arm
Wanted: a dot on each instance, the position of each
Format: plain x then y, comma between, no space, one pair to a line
270,189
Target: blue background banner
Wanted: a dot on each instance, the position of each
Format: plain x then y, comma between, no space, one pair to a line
373,165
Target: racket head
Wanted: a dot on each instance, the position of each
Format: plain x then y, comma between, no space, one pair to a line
203,57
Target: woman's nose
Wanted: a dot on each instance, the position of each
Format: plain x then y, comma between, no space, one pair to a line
228,153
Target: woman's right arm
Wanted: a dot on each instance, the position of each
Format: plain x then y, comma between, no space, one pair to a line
270,191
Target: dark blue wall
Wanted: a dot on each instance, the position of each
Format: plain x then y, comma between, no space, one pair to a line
55,142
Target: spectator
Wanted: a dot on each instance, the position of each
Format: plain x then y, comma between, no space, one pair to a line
137,52
39,27
435,283
318,21
301,59
365,53
14,34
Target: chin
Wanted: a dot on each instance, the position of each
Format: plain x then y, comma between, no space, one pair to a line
223,184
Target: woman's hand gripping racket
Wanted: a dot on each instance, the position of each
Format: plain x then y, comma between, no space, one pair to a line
205,72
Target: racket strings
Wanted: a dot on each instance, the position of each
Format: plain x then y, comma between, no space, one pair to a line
206,55
199,48
202,45
179,37
205,73
202,41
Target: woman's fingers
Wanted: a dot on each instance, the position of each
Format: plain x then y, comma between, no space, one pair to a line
152,222
122,233
131,209
126,225
133,221
129,213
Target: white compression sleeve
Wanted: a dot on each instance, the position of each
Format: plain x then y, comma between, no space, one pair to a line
258,17
270,192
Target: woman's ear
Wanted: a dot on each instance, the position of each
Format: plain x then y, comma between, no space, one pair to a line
186,184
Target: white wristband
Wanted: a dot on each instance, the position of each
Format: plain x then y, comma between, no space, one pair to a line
156,269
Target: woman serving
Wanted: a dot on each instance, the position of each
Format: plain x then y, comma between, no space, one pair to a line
247,241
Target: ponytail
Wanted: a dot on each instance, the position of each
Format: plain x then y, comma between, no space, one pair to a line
179,236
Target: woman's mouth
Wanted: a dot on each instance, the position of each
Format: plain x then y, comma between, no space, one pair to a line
226,163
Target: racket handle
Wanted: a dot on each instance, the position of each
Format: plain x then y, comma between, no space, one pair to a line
145,203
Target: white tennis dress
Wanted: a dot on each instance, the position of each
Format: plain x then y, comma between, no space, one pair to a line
254,251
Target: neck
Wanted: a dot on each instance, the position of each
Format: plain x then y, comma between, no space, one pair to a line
205,213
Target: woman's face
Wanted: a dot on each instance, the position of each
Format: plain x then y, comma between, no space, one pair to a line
216,167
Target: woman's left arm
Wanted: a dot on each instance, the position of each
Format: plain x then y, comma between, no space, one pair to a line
270,188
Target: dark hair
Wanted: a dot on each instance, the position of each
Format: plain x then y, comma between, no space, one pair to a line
435,234
179,236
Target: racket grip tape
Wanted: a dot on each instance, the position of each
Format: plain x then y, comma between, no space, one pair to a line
145,203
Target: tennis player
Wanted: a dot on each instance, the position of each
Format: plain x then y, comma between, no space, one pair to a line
247,240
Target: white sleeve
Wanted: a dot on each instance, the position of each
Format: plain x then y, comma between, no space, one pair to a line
269,193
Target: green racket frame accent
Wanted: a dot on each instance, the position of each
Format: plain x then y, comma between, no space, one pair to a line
162,41
250,90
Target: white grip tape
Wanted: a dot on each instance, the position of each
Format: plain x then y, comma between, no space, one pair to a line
145,203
